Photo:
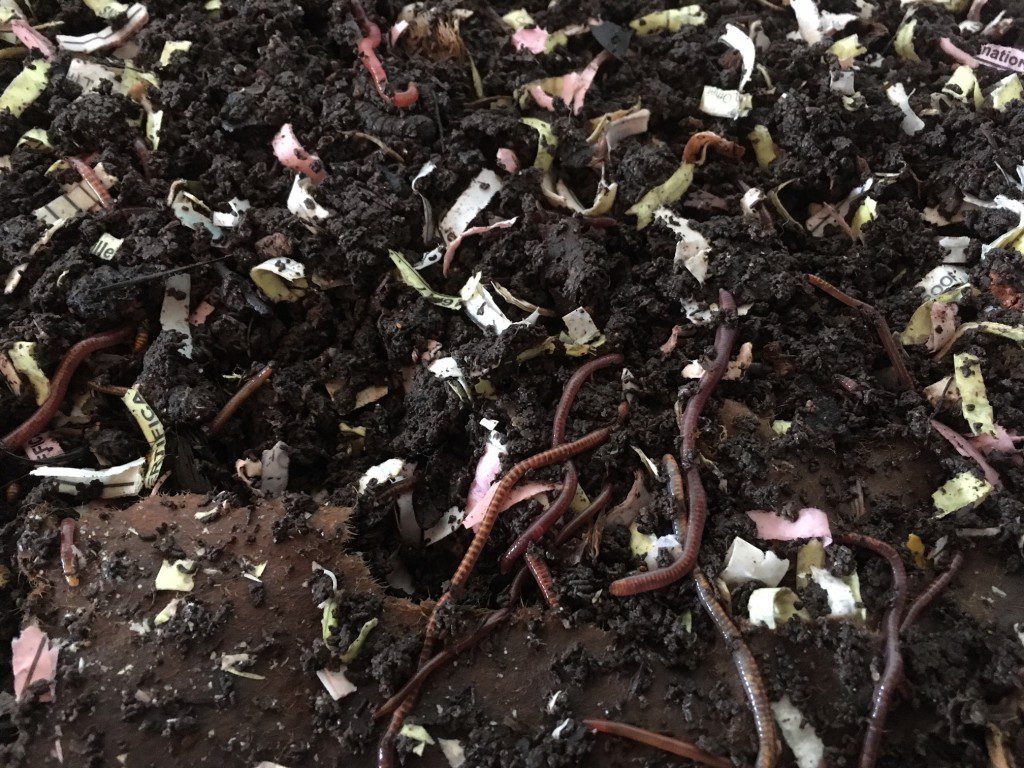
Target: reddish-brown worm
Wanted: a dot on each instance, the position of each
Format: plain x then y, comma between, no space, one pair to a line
596,506
892,349
556,510
925,598
696,149
677,489
68,563
447,655
750,675
886,687
243,394
367,52
544,459
542,575
697,499
145,158
386,749
658,741
90,178
37,422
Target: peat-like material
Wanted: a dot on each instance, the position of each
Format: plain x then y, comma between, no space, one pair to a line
307,577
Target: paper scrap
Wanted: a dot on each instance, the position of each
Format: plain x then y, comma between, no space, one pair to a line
811,522
1001,57
808,748
281,278
176,576
275,470
774,606
77,198
722,103
301,202
744,562
33,650
42,447
152,430
119,481
473,199
336,684
174,310
23,358
381,473
235,663
106,247
108,37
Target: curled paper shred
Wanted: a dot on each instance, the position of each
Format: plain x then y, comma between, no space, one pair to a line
291,155
136,18
810,523
34,658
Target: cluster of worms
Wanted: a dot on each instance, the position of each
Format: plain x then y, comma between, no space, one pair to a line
690,505
367,48
691,511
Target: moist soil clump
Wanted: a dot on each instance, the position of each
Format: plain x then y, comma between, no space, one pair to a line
342,307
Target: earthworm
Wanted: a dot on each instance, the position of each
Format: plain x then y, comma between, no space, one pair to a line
881,327
750,675
386,750
958,54
367,48
656,740
514,475
544,521
696,148
697,499
925,598
145,158
90,178
542,575
243,394
445,656
68,563
886,686
677,488
554,512
59,385
588,514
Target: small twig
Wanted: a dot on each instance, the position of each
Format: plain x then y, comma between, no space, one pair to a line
881,327
108,389
379,142
35,660
158,275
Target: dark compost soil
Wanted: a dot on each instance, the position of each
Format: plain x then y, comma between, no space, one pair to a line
130,693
